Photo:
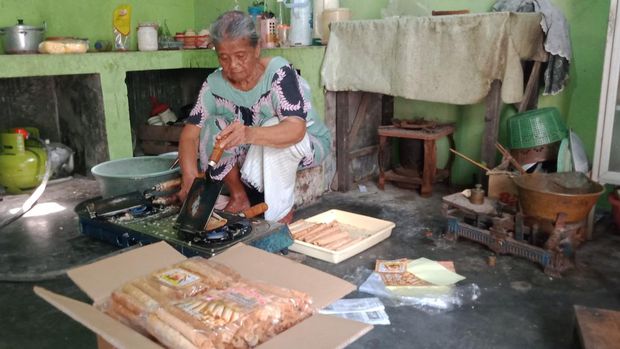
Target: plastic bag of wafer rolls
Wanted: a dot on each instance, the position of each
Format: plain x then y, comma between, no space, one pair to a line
203,304
190,278
241,316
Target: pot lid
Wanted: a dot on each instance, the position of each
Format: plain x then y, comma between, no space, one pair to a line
21,26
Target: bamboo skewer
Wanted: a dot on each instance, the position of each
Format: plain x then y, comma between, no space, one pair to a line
507,155
470,160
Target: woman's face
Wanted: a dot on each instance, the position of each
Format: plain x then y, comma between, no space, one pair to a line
238,59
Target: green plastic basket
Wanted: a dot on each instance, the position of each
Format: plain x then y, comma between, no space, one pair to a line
535,128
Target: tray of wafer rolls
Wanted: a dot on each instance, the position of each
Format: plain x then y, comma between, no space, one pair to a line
336,235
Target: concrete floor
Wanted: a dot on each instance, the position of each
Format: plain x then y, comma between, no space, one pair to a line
519,306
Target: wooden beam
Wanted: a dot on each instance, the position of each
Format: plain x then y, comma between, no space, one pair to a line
342,141
364,151
491,124
530,96
359,117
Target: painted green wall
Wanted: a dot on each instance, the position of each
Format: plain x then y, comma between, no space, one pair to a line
92,19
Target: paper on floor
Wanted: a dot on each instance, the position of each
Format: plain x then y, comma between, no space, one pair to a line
366,310
433,272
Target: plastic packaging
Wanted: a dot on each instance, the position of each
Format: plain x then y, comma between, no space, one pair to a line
122,27
444,300
61,158
64,46
198,303
147,36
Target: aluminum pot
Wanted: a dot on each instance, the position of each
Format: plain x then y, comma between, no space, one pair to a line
22,38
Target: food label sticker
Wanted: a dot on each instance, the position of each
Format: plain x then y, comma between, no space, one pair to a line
177,277
394,266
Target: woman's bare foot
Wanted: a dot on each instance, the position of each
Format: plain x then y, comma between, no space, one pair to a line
288,219
237,203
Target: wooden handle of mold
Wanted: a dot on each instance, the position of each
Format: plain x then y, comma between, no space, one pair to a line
217,152
255,210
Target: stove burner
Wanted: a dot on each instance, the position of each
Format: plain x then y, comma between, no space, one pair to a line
223,236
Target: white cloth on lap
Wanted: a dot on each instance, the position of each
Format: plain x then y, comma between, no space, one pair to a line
273,171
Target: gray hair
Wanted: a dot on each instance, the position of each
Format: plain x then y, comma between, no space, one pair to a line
234,25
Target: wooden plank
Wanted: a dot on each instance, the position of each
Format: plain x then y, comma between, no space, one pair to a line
363,151
342,141
530,96
430,166
491,124
360,116
438,132
598,328
395,177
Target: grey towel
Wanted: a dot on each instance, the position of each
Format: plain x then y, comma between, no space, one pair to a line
557,41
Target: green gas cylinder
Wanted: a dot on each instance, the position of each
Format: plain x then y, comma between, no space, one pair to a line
22,166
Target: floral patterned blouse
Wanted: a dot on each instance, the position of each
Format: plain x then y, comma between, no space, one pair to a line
280,93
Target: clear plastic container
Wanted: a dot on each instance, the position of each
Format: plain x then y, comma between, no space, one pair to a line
147,36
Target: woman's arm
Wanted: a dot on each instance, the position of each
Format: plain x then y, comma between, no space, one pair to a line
188,150
289,131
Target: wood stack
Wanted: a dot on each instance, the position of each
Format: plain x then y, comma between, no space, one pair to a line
331,236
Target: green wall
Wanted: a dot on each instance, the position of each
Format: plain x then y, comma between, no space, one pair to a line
92,19
578,103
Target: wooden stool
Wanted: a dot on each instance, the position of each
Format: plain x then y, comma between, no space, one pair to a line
430,171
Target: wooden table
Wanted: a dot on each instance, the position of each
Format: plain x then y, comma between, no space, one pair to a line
430,171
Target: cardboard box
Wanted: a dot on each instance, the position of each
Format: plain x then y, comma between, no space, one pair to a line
99,279
501,182
375,230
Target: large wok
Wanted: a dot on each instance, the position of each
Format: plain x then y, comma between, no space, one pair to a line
545,195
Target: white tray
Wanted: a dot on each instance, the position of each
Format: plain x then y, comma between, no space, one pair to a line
375,229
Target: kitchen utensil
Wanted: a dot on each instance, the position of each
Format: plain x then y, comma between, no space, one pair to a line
121,203
470,160
542,196
140,173
22,38
200,201
506,154
564,161
578,153
535,128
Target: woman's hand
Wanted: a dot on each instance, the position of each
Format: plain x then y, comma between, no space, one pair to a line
188,149
233,135
186,184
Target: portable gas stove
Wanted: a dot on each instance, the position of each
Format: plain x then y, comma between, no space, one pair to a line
504,230
152,223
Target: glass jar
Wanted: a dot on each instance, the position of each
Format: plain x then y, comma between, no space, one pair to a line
147,36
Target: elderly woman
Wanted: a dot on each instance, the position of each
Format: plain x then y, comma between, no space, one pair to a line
259,109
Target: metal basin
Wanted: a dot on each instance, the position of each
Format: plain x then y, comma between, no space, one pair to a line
545,195
123,176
